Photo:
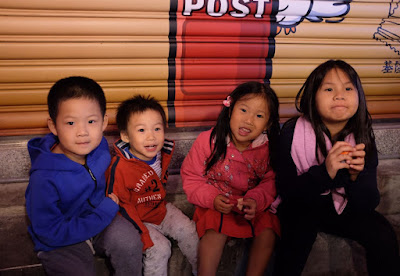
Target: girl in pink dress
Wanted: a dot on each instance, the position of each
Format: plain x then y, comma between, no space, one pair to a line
229,175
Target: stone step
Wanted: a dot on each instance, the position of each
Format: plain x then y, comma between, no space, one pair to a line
17,163
13,225
330,255
389,186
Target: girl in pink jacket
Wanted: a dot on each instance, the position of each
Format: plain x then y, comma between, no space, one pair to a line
228,174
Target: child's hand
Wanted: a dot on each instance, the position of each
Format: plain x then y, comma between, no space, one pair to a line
249,207
222,204
338,157
114,198
357,162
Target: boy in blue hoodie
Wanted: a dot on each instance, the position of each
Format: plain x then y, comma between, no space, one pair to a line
70,217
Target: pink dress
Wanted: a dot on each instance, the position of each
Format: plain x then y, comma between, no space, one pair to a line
244,174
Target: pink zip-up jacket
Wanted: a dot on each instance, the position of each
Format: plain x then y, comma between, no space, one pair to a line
241,174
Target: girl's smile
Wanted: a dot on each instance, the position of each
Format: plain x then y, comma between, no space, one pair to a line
244,131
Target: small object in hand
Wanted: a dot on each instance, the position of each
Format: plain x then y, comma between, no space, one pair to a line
345,152
240,204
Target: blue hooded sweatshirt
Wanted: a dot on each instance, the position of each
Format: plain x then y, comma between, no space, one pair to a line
66,201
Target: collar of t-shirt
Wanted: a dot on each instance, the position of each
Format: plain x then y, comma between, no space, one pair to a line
150,162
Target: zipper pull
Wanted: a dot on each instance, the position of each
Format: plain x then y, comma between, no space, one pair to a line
90,172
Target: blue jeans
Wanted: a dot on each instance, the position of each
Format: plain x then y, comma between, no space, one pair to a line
119,241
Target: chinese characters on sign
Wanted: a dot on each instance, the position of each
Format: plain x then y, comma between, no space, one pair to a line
391,67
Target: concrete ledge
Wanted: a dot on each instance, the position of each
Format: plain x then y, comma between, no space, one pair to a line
387,136
324,259
16,164
330,255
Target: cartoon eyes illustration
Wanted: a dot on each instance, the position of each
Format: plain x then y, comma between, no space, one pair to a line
292,12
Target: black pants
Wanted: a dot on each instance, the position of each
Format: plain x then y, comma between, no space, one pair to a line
301,223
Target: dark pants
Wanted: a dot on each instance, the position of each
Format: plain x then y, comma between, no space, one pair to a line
300,225
120,242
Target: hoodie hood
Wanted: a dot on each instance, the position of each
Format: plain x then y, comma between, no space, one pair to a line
43,159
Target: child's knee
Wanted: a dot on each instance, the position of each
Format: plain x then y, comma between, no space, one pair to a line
134,241
126,239
268,234
163,246
189,231
130,245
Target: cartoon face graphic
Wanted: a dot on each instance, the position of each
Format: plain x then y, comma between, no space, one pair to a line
291,12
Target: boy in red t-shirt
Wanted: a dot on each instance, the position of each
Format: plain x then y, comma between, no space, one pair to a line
137,176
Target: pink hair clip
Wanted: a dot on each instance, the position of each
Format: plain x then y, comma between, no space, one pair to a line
227,102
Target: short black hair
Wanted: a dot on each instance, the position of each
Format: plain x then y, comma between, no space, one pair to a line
72,88
137,104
